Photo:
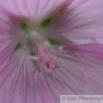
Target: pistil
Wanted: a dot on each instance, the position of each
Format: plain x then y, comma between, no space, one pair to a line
44,60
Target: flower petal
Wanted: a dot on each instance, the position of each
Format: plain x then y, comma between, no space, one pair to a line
19,83
9,37
80,23
34,10
81,72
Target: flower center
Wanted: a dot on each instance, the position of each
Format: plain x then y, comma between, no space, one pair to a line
43,60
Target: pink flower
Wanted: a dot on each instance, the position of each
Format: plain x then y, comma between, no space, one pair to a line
40,58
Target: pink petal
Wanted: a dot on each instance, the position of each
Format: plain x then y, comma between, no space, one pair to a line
20,84
80,23
33,10
67,3
81,72
9,37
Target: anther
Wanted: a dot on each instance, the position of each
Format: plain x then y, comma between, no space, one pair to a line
59,64
46,45
36,58
60,48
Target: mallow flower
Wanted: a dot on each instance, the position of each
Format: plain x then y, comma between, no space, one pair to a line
50,48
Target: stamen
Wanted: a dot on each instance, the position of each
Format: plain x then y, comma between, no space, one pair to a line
35,58
46,45
40,54
42,59
59,64
60,48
